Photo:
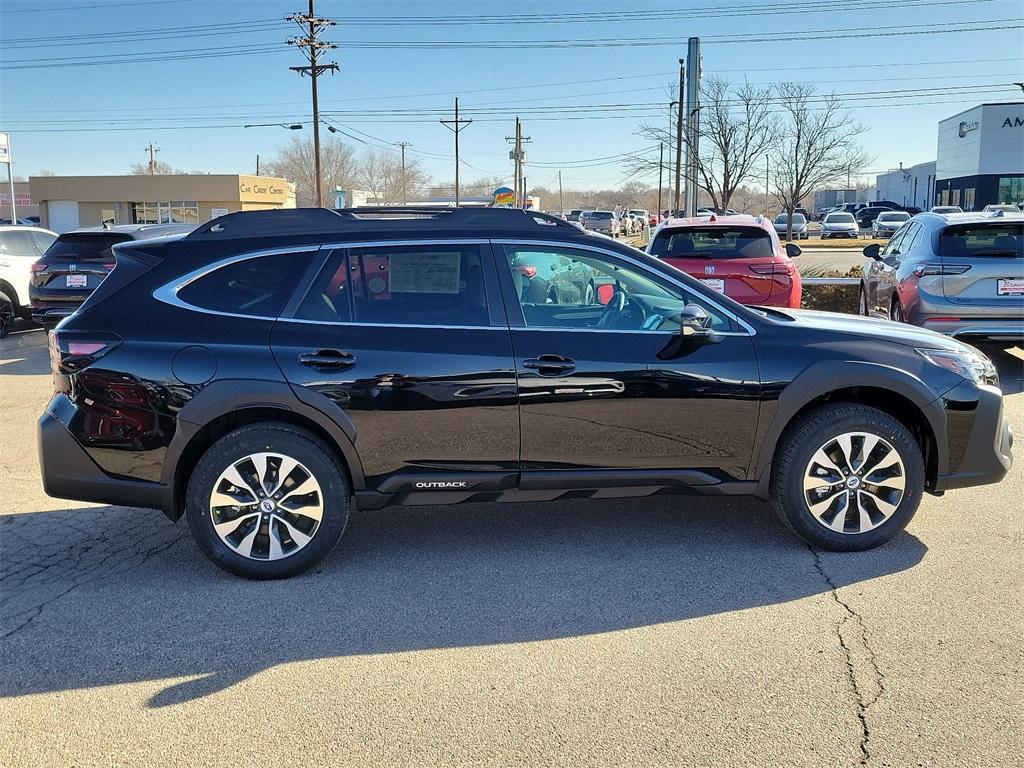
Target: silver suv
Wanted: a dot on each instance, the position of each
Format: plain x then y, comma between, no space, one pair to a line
961,274
605,222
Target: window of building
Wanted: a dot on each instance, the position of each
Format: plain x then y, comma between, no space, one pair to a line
407,285
1011,191
968,199
167,212
257,287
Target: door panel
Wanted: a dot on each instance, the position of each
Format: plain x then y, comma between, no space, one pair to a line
607,389
423,399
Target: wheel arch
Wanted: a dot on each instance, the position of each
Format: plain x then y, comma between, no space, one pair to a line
12,294
221,408
895,392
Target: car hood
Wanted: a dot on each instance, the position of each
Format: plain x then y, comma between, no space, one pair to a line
882,330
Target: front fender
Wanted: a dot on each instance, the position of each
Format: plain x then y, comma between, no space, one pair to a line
821,379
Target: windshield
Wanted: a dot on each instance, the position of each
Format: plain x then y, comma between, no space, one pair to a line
995,239
893,216
798,218
600,215
714,243
839,218
83,247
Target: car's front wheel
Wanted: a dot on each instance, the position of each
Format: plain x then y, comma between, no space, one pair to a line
267,501
847,477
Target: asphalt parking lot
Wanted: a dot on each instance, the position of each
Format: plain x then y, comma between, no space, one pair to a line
666,631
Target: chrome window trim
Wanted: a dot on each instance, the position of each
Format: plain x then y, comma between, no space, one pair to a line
750,330
168,292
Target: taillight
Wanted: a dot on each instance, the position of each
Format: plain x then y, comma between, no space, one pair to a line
73,352
923,270
526,269
775,268
37,266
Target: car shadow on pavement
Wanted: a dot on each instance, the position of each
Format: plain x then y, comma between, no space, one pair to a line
104,595
1010,365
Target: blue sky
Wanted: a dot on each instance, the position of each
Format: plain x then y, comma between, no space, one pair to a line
63,118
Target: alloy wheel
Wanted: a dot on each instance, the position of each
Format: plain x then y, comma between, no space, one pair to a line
6,316
266,506
854,482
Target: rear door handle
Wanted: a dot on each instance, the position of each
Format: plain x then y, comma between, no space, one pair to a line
327,358
550,365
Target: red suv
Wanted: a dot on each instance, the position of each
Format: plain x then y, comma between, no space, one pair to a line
741,256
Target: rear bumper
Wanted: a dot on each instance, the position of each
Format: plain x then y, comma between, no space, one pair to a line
69,473
50,315
978,328
979,437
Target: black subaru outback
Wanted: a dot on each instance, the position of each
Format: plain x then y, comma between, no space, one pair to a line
273,369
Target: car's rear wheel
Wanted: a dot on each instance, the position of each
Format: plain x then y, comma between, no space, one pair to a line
847,477
896,311
7,315
267,501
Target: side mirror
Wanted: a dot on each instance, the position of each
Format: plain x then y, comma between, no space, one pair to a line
694,321
872,251
792,249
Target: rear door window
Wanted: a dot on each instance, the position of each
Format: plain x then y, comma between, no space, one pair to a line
714,243
84,247
18,243
433,285
256,287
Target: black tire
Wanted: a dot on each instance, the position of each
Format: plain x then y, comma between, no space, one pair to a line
7,315
803,440
287,440
896,311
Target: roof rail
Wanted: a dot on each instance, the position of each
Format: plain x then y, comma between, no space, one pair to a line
284,221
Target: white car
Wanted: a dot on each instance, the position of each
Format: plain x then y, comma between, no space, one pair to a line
1004,207
839,224
19,248
946,209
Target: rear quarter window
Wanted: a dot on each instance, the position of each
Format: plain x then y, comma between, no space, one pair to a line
84,247
258,287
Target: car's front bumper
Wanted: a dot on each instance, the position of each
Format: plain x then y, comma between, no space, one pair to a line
978,438
69,473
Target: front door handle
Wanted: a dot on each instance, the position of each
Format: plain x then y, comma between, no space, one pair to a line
550,365
327,358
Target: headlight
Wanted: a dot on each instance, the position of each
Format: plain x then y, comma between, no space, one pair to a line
972,365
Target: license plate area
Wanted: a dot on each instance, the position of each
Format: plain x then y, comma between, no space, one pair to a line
1010,287
77,281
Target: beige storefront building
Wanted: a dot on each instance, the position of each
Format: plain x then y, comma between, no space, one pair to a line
69,202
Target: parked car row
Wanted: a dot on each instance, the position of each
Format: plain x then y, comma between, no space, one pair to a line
626,223
45,277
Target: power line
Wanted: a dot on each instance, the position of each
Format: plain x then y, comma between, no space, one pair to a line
90,7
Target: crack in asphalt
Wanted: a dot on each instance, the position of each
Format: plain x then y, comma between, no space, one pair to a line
45,559
862,671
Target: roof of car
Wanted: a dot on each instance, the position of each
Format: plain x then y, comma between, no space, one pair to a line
718,221
967,218
137,231
24,228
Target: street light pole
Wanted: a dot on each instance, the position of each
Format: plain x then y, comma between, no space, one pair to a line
403,145
661,172
679,136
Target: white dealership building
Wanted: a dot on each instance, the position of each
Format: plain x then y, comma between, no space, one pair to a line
980,157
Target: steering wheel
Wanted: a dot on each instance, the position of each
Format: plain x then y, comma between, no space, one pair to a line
616,309
613,309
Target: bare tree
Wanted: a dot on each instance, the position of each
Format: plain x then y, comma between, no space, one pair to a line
379,172
737,125
817,146
160,168
294,162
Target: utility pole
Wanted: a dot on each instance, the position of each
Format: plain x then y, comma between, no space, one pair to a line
519,157
679,137
311,46
152,158
661,173
257,165
403,145
561,205
693,75
766,185
456,126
